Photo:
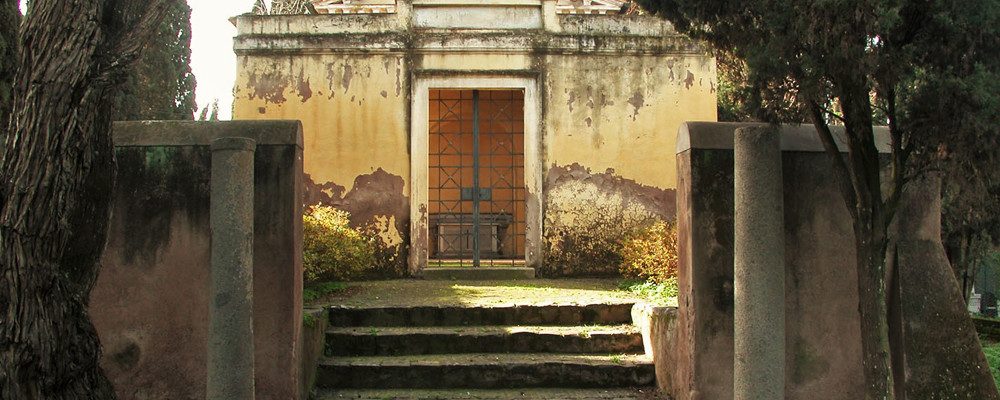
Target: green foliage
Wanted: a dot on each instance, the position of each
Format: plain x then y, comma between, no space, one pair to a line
161,85
651,253
308,320
316,291
333,251
657,293
992,351
928,69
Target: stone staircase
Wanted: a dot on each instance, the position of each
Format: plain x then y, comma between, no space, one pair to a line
541,351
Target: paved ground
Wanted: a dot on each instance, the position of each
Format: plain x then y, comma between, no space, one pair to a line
399,293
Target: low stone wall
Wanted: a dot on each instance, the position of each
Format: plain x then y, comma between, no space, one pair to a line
821,290
151,302
658,325
313,343
987,327
823,333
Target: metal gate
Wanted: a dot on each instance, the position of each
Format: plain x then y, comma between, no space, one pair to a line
476,178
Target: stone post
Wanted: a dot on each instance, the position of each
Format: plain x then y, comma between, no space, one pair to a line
230,332
759,261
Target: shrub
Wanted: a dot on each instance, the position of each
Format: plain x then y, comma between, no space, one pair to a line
651,253
663,293
333,251
317,291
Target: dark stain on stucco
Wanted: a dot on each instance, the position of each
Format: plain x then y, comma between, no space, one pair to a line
169,182
345,80
268,86
373,195
591,245
128,357
305,90
689,81
637,102
661,201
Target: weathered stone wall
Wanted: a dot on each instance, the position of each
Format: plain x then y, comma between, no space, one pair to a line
823,332
613,90
151,302
821,290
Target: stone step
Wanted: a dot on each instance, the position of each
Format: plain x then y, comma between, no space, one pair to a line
487,371
483,273
496,394
564,315
393,341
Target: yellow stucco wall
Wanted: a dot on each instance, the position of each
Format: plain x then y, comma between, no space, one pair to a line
611,103
353,109
623,112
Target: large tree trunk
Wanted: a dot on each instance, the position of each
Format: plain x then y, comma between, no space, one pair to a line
9,19
871,224
870,240
56,179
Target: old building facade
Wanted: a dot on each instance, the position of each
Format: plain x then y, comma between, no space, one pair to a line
545,126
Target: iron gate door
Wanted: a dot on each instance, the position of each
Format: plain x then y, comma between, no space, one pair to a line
476,178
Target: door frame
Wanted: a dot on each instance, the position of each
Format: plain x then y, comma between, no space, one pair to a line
420,159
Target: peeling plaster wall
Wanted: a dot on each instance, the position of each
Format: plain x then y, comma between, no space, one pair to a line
614,91
610,135
623,112
353,110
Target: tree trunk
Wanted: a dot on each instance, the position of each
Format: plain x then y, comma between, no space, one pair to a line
9,18
871,224
870,243
57,177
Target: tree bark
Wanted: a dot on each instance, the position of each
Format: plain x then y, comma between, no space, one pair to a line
56,178
10,16
871,224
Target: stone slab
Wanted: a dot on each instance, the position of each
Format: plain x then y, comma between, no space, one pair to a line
491,273
565,315
487,371
363,341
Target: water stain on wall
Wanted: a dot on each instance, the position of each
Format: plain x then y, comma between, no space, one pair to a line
379,206
176,186
589,215
269,86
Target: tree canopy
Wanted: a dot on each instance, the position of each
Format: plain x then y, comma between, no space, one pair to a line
928,69
161,85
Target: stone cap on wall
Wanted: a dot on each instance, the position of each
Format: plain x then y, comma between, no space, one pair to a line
202,133
719,136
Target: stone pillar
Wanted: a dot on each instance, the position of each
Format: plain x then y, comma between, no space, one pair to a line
230,332
759,261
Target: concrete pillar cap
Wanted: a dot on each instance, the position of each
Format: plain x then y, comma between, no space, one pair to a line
234,143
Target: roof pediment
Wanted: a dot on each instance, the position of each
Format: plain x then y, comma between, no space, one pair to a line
389,6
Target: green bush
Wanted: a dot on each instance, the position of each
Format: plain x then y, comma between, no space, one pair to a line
333,251
651,254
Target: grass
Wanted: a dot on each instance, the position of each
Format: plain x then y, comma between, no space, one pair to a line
992,351
660,294
316,291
